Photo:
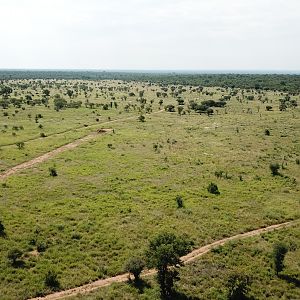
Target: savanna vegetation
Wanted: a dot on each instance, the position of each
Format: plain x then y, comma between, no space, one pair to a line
185,164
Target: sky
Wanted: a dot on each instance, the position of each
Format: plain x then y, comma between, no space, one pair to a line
150,34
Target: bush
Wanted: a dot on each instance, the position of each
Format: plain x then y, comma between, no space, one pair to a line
2,229
52,172
179,201
20,145
142,118
135,266
238,286
274,167
14,255
267,132
213,189
51,280
279,252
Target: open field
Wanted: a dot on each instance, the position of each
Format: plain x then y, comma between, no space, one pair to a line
117,190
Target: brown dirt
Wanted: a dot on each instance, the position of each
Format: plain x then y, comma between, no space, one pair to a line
48,155
87,288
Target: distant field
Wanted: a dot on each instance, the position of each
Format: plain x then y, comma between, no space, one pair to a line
116,191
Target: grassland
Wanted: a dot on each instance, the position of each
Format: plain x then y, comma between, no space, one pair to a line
113,193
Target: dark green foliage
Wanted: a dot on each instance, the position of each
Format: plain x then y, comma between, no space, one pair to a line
14,255
267,132
170,108
213,189
2,229
135,266
20,145
51,280
142,118
52,172
164,254
59,103
274,167
279,82
279,252
238,286
179,201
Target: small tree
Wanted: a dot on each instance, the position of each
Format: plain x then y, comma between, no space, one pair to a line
279,252
135,266
20,145
2,229
213,189
14,255
142,118
274,167
179,201
51,280
238,286
164,254
52,172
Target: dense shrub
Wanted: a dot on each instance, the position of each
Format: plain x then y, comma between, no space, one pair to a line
274,167
213,189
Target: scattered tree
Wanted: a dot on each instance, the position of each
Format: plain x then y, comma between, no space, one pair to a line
279,252
179,201
238,286
164,254
51,280
213,189
135,266
52,172
274,167
14,255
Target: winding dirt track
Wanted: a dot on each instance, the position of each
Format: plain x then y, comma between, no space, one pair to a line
72,145
48,155
186,259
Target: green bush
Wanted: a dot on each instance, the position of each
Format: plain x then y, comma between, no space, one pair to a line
51,280
279,252
213,189
274,167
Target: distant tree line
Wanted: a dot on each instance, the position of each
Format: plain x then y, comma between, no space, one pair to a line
281,82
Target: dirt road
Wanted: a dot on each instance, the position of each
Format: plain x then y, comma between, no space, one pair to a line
186,259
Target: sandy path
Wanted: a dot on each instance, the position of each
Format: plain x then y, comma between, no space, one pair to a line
72,145
46,156
186,259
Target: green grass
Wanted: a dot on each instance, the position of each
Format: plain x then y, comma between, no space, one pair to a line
107,202
206,278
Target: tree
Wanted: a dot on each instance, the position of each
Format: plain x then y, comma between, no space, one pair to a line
142,118
70,93
14,255
5,91
279,252
51,280
20,145
46,93
179,201
135,266
274,167
164,254
52,172
213,189
2,229
238,286
59,103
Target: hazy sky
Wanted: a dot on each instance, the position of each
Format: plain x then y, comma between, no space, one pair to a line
150,34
